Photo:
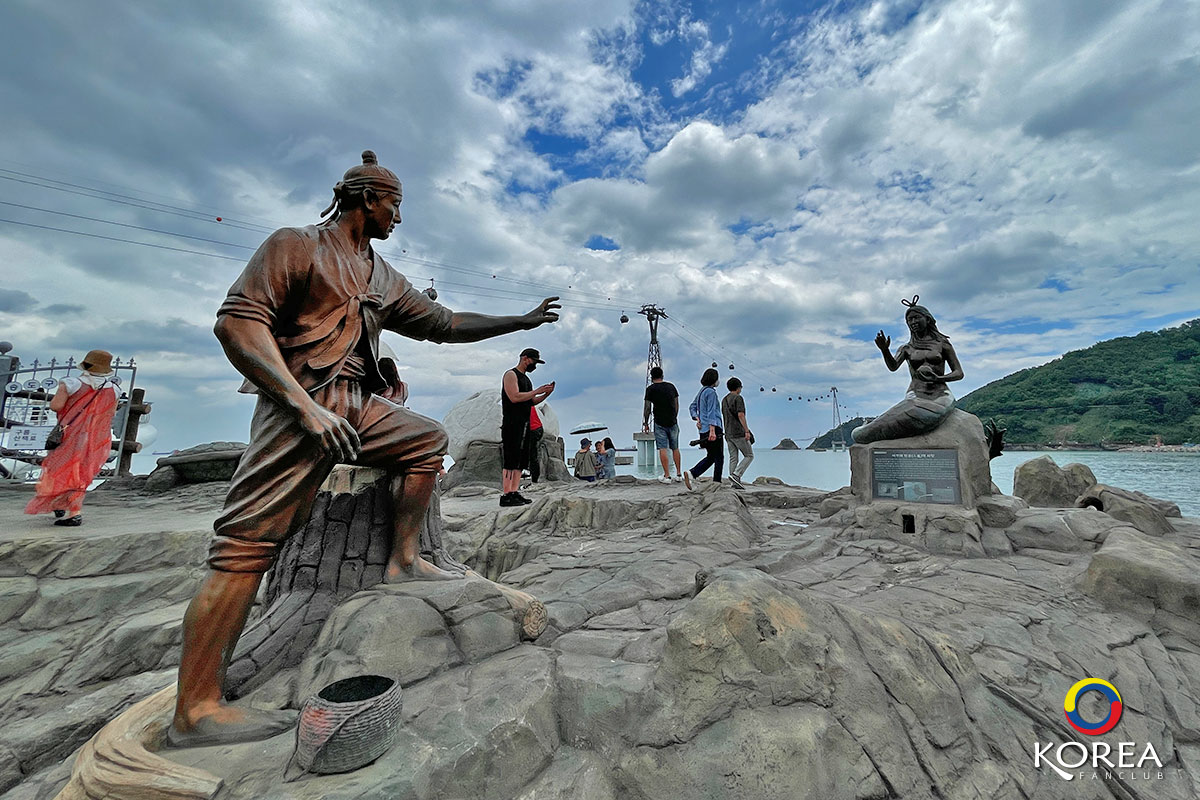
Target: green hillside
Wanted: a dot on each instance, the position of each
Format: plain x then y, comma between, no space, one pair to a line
1122,391
839,436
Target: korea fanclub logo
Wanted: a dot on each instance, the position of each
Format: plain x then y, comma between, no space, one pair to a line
1069,760
1110,693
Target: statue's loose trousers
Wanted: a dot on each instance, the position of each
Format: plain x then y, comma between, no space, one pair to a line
278,477
325,305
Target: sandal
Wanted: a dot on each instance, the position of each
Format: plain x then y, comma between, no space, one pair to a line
72,522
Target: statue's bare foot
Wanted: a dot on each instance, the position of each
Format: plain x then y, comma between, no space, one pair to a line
231,724
419,570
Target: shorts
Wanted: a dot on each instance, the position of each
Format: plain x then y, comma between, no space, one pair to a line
666,438
513,454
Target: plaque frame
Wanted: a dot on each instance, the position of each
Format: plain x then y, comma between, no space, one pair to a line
928,476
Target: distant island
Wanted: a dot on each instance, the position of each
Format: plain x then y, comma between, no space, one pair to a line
1142,389
786,444
827,440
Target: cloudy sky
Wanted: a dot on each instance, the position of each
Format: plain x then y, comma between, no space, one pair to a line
776,175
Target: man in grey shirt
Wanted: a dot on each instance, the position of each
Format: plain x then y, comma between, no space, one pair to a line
737,433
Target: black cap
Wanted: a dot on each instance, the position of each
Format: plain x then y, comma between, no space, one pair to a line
530,352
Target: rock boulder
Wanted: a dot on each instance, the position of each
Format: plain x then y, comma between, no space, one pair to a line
474,429
1041,483
1140,510
214,461
477,419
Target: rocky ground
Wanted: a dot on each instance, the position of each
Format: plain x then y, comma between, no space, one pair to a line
701,645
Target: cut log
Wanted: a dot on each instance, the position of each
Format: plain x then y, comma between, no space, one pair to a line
119,762
342,549
529,611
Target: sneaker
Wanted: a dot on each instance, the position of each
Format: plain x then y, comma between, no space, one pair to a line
736,482
521,500
665,479
687,480
677,478
507,499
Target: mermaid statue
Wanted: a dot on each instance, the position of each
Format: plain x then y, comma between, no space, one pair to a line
928,399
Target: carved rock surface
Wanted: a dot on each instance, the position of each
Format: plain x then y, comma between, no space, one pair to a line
1061,530
710,644
162,479
479,731
574,775
741,708
473,419
999,510
1137,572
943,529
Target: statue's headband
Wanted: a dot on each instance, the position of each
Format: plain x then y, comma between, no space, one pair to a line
369,175
910,303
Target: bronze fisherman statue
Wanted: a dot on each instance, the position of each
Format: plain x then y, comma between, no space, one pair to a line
302,325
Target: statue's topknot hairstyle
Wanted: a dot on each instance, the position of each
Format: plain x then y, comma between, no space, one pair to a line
368,175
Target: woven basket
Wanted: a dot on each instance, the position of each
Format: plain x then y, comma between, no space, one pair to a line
348,724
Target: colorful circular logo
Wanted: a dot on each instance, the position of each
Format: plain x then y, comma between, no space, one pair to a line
1110,693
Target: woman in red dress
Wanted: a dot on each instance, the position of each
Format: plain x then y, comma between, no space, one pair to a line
85,405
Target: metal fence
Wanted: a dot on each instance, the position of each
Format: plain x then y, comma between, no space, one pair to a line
26,418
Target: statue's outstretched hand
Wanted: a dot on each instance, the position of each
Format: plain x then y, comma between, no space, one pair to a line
545,312
883,342
333,433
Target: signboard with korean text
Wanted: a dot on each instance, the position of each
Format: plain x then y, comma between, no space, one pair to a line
916,476
28,437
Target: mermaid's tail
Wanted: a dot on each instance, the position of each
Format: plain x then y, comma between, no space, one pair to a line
912,416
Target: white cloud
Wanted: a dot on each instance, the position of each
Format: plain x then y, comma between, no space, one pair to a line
968,153
705,56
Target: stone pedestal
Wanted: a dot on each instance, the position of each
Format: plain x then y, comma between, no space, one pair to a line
647,451
917,466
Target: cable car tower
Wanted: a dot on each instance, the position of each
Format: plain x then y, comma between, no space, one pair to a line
837,416
653,314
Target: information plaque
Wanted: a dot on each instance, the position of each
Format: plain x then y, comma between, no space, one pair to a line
915,476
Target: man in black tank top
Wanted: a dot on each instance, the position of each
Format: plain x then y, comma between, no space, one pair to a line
517,399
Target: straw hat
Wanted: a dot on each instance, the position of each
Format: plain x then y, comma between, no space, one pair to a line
97,362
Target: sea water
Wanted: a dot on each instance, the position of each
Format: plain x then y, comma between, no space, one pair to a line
1171,476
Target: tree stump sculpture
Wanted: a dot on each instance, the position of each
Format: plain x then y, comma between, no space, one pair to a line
341,550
